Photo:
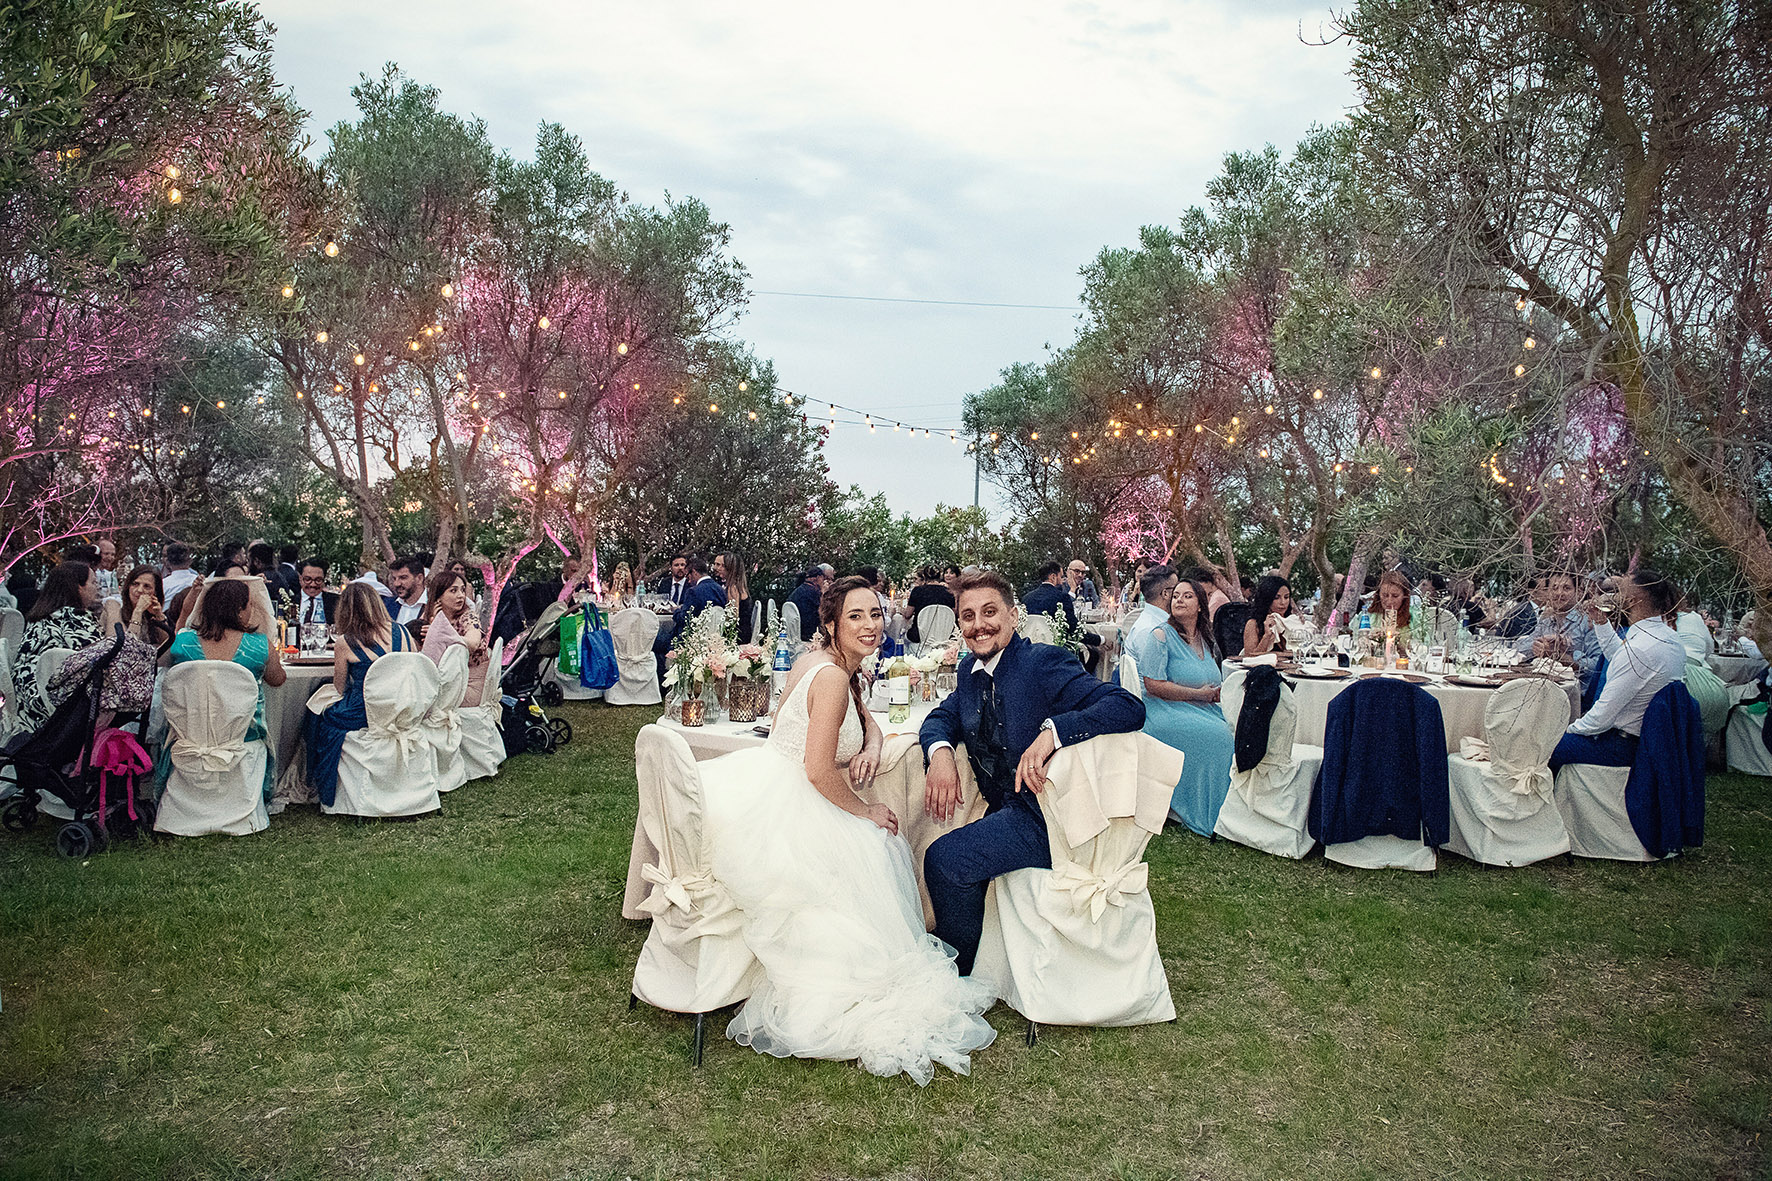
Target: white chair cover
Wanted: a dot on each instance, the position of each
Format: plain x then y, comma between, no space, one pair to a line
1744,745
388,769
695,958
774,617
1268,807
256,590
634,631
217,780
1130,680
1443,626
1077,944
48,665
1591,800
482,746
12,626
1501,788
9,704
442,722
756,623
935,624
790,615
1037,628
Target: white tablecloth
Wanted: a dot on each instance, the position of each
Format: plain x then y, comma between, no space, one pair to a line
1109,662
1461,707
1738,670
286,707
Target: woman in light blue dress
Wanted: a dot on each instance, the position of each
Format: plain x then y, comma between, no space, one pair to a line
1179,664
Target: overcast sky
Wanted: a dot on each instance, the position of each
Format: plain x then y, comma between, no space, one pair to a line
930,151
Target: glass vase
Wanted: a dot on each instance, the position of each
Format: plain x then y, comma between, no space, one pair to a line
692,708
747,699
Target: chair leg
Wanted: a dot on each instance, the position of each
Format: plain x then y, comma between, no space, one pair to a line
700,1036
632,1001
1033,1032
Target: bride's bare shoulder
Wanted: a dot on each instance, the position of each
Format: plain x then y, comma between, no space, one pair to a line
807,665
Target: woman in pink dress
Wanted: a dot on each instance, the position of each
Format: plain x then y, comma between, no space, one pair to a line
449,619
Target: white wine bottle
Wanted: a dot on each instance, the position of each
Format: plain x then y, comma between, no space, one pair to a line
898,685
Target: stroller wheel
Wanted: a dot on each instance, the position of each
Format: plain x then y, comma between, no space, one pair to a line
539,738
549,694
74,841
562,731
19,816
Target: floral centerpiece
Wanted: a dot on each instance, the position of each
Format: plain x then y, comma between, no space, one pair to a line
691,667
747,669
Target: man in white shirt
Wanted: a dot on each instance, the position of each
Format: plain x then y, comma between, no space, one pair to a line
1155,587
407,579
315,606
1638,667
108,587
178,573
1694,633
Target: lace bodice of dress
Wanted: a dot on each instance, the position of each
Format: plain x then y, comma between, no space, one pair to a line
787,735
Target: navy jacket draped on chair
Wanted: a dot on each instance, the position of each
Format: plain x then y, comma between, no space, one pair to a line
1665,795
1384,766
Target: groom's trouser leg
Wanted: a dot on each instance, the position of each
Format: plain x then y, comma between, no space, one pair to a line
959,867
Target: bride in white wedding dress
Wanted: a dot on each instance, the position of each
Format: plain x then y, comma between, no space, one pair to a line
826,883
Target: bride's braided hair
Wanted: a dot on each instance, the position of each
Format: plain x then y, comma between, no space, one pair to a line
830,609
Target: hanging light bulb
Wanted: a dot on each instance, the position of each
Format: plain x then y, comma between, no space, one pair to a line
1377,373
1519,371
288,292
359,359
447,290
743,386
713,407
172,172
542,323
332,250
1316,395
321,337
1529,343
174,196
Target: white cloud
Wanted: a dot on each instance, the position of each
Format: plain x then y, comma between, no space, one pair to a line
976,151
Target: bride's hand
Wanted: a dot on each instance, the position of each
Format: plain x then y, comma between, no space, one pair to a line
863,766
883,816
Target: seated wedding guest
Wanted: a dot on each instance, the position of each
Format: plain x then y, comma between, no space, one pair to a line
620,591
1048,596
176,574
89,555
703,593
233,631
365,632
730,572
1562,632
574,577
1523,617
806,597
232,553
1473,609
449,619
1078,582
142,613
289,566
407,579
1392,610
1745,644
1154,590
1179,664
930,590
110,584
1693,632
315,606
23,589
61,617
1637,668
1268,606
950,578
261,560
1138,571
389,601
674,584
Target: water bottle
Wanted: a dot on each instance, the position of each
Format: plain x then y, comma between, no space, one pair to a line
784,660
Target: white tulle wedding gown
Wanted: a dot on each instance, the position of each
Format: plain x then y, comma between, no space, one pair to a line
832,912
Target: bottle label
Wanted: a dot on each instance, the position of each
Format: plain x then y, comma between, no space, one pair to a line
901,690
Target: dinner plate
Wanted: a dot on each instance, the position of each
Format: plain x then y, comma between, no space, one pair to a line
1412,678
1470,682
1322,674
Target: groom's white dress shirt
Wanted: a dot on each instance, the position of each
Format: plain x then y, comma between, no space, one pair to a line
988,668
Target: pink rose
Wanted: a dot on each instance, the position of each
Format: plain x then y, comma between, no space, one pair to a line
716,666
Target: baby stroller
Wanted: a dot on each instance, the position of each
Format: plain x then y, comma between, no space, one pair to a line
527,688
57,760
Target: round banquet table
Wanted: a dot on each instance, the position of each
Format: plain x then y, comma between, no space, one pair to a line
286,706
1461,706
1109,631
1738,670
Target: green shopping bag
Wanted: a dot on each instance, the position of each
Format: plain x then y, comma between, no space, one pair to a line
569,659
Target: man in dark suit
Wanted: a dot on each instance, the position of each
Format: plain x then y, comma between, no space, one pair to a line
675,585
1048,596
314,604
806,597
702,592
1016,703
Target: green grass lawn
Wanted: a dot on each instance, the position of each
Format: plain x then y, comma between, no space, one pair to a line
449,998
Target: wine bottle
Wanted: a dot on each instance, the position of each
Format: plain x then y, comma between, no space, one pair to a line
898,683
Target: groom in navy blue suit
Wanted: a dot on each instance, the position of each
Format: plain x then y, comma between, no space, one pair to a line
1016,703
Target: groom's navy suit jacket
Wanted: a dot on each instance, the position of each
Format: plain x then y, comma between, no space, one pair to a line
1034,682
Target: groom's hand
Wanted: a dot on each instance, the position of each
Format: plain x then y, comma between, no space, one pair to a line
941,785
1032,768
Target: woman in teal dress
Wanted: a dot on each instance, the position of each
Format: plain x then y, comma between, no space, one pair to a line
228,633
1179,664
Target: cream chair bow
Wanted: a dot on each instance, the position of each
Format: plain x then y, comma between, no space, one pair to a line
1500,785
216,783
388,768
1077,944
695,958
